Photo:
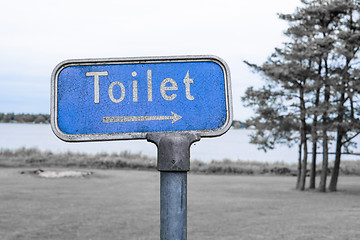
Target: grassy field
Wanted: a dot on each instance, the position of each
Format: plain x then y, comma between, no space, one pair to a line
119,204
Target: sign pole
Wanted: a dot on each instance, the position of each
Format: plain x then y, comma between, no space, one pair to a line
173,205
173,164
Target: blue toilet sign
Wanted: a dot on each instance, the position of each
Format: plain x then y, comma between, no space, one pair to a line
127,98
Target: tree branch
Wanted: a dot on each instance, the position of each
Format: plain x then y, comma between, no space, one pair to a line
351,138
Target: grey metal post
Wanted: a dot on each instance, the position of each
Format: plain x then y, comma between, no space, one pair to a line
173,164
173,205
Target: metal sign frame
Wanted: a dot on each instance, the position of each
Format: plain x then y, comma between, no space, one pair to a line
138,60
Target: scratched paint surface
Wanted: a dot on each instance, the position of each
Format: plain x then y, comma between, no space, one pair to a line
193,91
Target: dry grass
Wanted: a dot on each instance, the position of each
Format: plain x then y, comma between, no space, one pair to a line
115,204
35,158
32,157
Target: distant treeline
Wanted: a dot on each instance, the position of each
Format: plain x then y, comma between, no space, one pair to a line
24,118
45,118
239,125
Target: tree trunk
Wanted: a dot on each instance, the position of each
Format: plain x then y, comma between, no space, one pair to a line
339,138
314,137
303,168
313,164
303,138
336,169
340,129
299,167
322,185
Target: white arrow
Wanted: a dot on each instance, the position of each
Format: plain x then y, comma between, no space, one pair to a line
174,117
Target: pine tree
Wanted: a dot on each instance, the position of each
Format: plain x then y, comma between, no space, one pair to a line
314,74
346,87
288,69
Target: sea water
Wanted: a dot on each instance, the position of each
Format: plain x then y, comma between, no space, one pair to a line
233,145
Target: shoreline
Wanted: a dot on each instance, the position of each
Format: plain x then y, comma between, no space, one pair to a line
35,158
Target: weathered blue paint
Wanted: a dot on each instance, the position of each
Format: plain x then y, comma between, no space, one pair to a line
203,108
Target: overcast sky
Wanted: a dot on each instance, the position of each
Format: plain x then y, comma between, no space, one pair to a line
36,35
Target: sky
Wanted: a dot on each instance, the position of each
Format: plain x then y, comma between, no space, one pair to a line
37,35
